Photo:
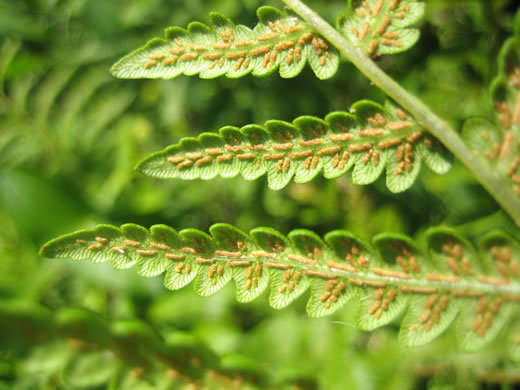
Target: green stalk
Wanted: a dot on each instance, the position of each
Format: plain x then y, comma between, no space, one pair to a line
493,183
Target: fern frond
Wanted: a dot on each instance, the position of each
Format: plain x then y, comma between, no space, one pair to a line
279,40
451,279
369,140
498,143
380,27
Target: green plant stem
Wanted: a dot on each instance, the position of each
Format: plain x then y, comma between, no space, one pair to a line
494,184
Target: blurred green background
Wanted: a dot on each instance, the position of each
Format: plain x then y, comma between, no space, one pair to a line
70,135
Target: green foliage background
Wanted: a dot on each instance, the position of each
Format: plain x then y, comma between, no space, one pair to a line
70,135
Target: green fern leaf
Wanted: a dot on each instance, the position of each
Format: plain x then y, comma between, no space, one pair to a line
498,144
372,138
380,27
453,279
281,40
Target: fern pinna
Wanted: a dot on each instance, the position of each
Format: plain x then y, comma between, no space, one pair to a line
280,40
369,139
452,278
381,27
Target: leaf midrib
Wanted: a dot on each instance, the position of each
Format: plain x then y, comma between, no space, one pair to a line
512,288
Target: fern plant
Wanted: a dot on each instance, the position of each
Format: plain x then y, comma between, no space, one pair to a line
426,283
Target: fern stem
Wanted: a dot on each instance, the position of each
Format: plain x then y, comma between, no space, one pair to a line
493,183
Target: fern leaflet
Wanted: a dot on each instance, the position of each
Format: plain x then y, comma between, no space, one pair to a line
482,288
372,138
280,40
379,27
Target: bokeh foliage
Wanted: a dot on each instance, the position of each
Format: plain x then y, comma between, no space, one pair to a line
70,135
